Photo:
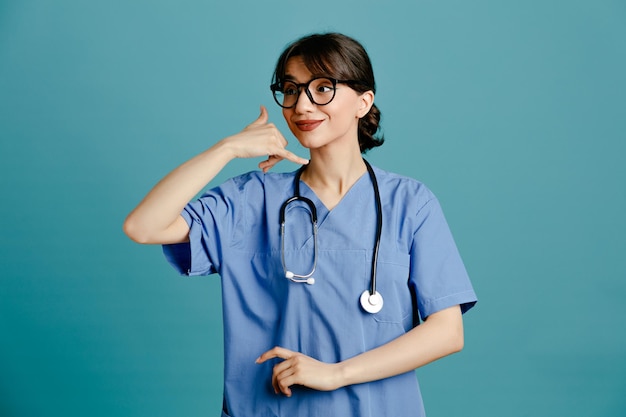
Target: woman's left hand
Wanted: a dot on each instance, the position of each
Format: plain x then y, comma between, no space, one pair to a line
299,369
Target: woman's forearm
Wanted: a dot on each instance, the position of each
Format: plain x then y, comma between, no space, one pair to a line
151,221
440,335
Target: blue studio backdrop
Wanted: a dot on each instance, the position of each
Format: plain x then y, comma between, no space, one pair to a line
512,112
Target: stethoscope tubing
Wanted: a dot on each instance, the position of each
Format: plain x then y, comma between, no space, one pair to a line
313,212
379,226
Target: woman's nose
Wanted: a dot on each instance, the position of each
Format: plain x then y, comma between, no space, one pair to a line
303,102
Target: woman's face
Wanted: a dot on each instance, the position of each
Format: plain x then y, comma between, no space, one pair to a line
318,126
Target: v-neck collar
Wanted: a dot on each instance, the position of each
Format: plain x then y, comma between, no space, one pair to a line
322,211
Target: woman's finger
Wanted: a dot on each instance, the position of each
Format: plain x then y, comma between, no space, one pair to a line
283,377
267,164
283,384
272,160
285,154
275,352
278,156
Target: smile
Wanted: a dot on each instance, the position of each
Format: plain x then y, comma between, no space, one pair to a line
308,125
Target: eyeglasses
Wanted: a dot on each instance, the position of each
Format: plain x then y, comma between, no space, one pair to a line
320,90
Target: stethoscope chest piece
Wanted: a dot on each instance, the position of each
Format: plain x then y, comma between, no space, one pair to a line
372,303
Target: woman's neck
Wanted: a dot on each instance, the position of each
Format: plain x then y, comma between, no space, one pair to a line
331,175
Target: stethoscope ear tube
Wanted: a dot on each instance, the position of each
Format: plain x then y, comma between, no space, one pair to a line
290,200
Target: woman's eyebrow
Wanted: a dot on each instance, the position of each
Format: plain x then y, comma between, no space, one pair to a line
289,77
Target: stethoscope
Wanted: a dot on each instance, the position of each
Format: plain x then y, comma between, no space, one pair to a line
371,300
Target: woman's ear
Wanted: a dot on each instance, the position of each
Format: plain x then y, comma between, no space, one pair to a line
366,101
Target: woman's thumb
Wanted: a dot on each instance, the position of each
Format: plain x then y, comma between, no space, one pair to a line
263,117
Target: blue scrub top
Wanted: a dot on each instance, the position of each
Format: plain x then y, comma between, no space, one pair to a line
234,231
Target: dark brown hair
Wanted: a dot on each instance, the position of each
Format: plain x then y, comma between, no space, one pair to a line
341,57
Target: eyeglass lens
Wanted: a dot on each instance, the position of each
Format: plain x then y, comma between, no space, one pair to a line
320,91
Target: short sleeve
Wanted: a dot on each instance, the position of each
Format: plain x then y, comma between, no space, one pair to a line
211,219
437,274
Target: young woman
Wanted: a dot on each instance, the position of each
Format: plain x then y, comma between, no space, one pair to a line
327,271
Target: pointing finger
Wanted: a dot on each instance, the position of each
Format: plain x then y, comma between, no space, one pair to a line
276,352
285,154
272,160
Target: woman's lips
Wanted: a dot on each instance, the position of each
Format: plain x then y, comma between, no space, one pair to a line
308,125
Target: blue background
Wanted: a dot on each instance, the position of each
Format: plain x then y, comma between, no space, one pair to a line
512,112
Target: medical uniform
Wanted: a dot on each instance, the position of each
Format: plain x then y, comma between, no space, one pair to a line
234,231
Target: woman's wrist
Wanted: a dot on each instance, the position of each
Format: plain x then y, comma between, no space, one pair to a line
224,150
345,374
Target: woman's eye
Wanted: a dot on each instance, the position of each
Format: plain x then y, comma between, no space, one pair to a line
323,85
290,90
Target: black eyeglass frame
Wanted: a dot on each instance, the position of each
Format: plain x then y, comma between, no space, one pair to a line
300,86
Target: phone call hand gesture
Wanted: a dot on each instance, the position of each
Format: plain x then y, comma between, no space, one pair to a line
261,138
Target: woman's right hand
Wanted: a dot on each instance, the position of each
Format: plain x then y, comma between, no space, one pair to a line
261,138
